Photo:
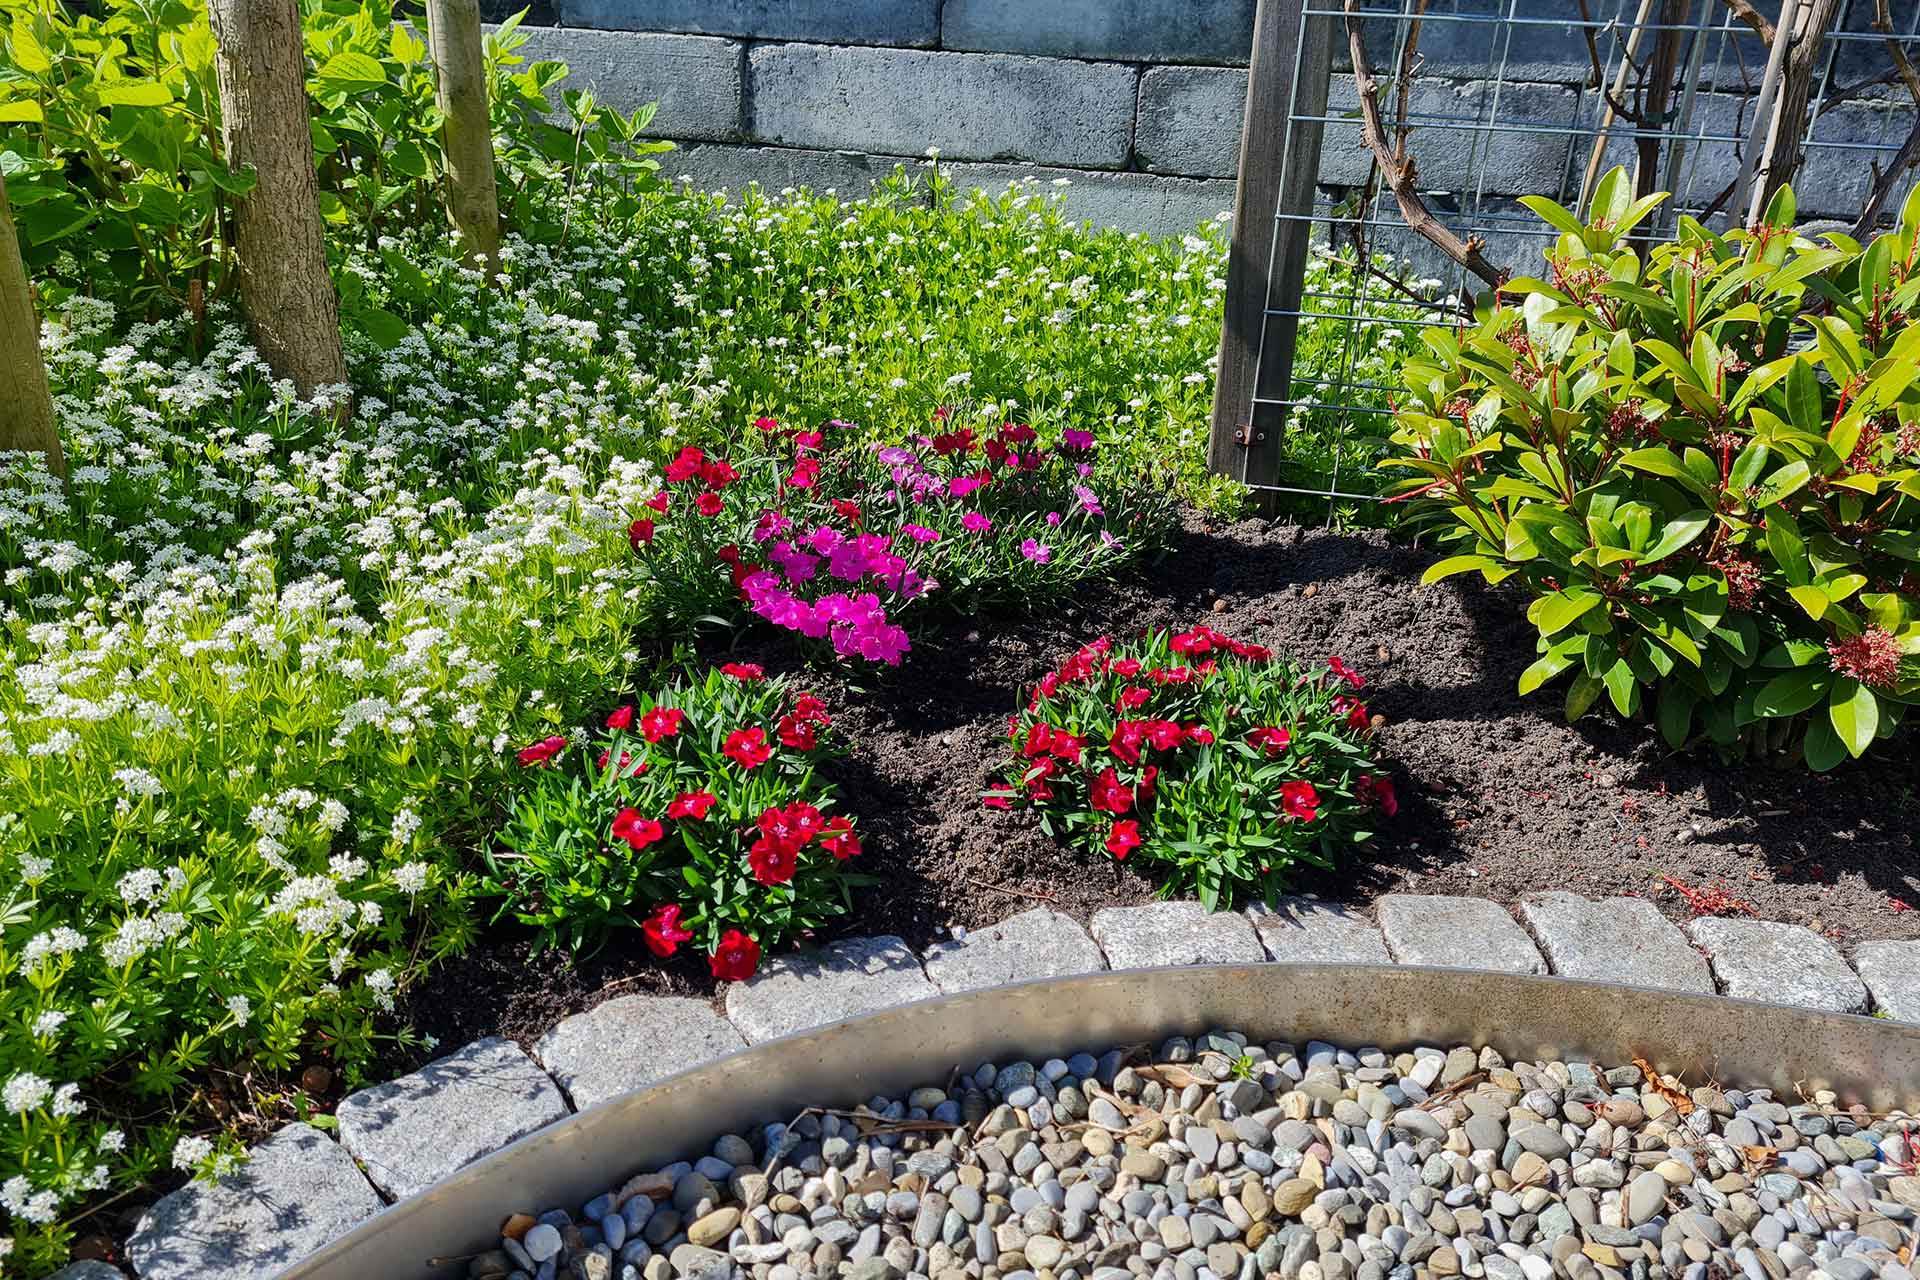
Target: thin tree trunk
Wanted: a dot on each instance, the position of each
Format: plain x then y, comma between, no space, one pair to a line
293,313
26,406
1782,156
453,29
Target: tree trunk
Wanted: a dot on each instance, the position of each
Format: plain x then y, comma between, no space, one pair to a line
1782,155
453,28
26,407
293,313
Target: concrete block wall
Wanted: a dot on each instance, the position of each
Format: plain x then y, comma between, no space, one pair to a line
1136,103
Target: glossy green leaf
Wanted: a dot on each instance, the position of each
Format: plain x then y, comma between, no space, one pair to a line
1855,714
1792,693
1558,610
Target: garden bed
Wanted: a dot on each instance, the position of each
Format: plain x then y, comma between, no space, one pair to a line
1498,795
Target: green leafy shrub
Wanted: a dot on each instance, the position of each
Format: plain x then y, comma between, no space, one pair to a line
110,142
1700,466
110,145
1204,757
696,817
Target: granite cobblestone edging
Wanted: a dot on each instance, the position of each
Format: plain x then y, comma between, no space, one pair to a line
302,1189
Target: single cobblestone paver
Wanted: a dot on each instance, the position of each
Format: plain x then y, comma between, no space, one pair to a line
1780,963
630,1042
1175,933
1303,931
411,1132
795,993
298,1192
1615,940
1891,971
1034,944
1460,933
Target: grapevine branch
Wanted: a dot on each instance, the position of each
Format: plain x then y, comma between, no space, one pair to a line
1753,18
1397,167
1909,154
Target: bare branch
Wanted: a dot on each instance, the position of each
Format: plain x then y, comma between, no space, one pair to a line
1619,108
1753,18
1397,167
1405,77
1883,23
1884,183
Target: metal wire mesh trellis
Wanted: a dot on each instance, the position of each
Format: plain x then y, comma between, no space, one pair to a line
1328,285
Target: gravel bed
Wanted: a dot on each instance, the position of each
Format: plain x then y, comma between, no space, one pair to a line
1220,1159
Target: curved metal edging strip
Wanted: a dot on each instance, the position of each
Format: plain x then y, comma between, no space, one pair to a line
1739,1042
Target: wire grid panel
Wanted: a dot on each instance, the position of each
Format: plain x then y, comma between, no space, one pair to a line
1504,98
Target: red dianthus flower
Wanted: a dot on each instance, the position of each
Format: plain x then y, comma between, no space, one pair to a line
637,831
542,751
661,722
662,931
1270,740
1299,800
685,466
773,861
1110,795
736,958
838,839
691,804
747,748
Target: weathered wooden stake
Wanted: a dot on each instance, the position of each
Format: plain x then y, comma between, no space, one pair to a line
1271,232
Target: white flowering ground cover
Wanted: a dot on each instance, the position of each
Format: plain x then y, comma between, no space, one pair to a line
261,671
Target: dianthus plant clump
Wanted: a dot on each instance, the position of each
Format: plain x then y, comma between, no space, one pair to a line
834,539
1202,756
695,817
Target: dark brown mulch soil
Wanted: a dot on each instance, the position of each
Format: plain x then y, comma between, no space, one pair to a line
1499,796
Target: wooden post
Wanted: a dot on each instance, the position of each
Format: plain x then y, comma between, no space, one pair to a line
292,310
26,406
1279,163
460,76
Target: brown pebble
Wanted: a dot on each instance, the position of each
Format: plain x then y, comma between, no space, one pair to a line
1219,606
316,1079
714,1228
1293,1195
517,1226
1310,590
1530,1170
1383,653
654,1186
